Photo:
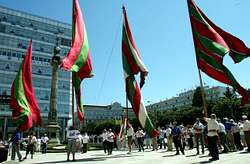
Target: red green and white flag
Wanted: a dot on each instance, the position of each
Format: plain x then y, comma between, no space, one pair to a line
123,129
132,65
78,59
211,45
23,103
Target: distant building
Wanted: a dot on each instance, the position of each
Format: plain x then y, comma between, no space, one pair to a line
16,29
186,98
94,113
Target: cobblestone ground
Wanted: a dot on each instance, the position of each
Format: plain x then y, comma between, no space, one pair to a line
147,157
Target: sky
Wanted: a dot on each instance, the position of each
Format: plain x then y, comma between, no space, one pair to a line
162,33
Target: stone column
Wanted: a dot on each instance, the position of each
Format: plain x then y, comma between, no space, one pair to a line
53,127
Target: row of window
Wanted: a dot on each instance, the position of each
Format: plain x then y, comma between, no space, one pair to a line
25,22
36,35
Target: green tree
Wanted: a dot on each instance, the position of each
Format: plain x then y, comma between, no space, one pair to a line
197,98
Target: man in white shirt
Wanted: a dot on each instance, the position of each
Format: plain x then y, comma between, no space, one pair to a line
110,139
44,143
85,140
130,133
246,129
72,136
104,136
169,138
223,138
198,134
212,135
140,138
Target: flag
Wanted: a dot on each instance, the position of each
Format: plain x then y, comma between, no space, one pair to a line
78,59
123,129
132,65
211,45
23,102
236,47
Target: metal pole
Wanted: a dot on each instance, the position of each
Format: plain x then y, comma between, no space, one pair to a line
73,98
203,95
5,127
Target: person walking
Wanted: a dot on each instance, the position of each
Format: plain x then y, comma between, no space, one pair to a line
44,143
85,140
104,136
72,136
16,139
169,138
176,132
140,139
213,128
130,133
30,146
236,135
110,139
198,134
161,137
223,137
246,129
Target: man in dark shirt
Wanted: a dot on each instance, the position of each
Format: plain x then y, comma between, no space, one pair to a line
176,132
16,138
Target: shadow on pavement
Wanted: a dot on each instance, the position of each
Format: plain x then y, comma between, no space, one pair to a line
244,152
102,158
193,155
171,155
201,162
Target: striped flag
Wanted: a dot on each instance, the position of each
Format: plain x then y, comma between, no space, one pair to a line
23,103
211,45
132,65
78,59
123,129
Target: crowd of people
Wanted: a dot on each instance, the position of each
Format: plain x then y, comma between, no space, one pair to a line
31,144
219,136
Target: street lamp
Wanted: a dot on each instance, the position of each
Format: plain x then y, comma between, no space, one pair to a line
53,127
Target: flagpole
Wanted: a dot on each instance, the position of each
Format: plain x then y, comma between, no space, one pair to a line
73,96
127,108
203,94
199,72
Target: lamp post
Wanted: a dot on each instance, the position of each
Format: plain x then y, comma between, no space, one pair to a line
53,127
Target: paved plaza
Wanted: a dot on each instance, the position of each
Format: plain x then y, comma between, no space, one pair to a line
147,157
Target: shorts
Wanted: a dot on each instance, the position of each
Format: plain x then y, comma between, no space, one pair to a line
72,146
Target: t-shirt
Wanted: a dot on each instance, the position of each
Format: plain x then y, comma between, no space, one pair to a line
222,128
85,139
72,134
44,139
246,125
130,132
110,137
198,127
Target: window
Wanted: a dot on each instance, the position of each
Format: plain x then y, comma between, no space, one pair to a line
7,67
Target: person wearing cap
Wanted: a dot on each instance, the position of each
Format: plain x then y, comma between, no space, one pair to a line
246,129
176,132
213,128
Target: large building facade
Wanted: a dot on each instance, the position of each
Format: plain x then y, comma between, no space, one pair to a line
16,30
95,113
186,98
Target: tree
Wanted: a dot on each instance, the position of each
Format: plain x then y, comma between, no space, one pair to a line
197,98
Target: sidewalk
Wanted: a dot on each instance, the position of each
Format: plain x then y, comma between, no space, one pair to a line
147,157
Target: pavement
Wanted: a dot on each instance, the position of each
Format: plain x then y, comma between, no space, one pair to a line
147,157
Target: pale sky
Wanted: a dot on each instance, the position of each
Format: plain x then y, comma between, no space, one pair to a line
162,33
